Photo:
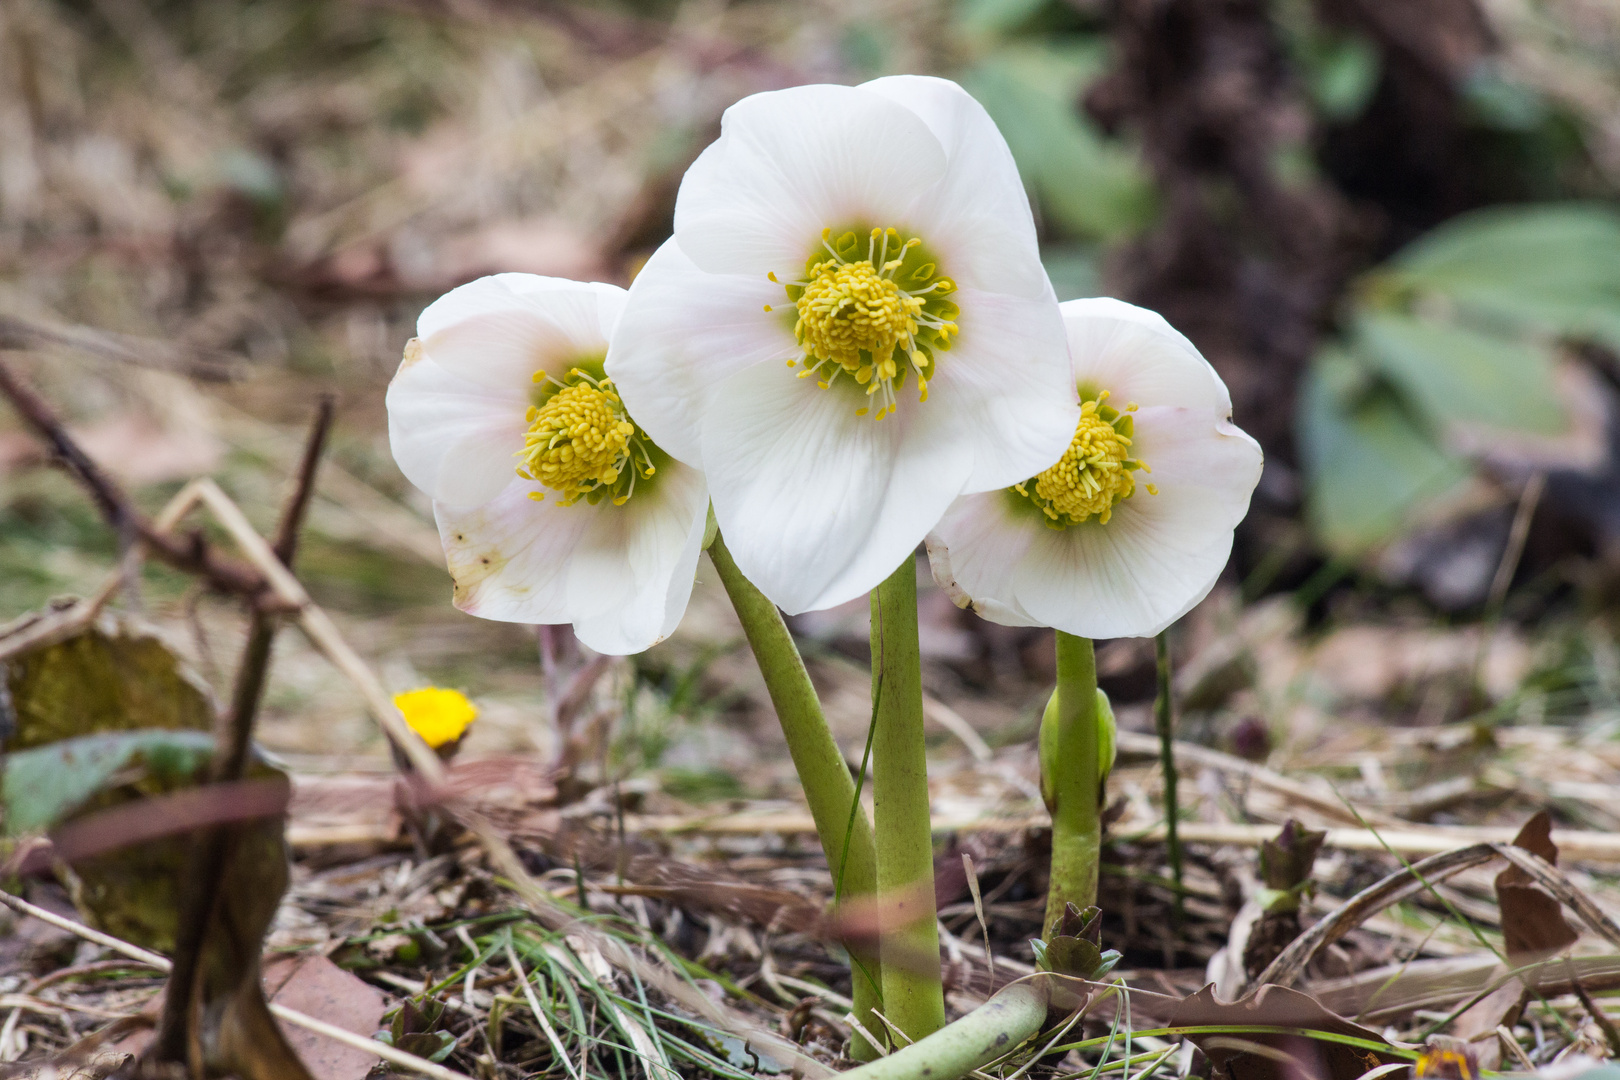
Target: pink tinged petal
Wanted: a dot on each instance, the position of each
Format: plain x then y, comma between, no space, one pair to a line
819,505
792,162
973,552
1005,389
1159,554
631,576
509,558
1136,355
499,330
453,438
978,216
685,332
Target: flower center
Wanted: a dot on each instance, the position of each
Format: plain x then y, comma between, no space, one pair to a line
1094,474
582,444
856,312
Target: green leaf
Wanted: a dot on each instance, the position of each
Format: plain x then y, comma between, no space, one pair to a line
995,16
1095,189
115,675
1550,269
1368,464
1459,375
42,786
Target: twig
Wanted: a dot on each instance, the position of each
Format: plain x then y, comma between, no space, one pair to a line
191,554
1512,552
212,849
292,1016
1288,966
1164,720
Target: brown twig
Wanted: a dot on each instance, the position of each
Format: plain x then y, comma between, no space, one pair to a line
212,849
190,554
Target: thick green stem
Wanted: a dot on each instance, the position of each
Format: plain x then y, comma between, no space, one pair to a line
1164,720
912,997
828,786
1069,768
983,1035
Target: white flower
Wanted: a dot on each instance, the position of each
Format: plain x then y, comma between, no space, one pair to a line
791,338
1130,529
553,506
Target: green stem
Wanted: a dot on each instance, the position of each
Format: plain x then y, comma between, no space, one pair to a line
1164,720
909,947
846,835
1069,771
991,1031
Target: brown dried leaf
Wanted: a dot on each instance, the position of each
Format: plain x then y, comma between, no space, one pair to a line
1533,923
317,987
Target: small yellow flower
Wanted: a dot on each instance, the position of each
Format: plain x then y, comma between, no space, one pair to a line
439,716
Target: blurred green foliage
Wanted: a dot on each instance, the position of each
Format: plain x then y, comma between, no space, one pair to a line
1459,331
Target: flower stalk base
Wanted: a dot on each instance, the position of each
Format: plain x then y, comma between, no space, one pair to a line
1069,772
909,946
828,787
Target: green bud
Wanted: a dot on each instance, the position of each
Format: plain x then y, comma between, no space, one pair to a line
1106,748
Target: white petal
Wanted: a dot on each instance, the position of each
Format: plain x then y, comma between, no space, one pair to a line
500,330
1005,388
621,574
1136,355
453,438
1159,554
973,552
792,162
819,505
509,558
978,216
1204,466
1107,582
631,576
683,333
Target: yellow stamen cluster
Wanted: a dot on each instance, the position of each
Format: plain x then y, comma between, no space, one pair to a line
439,716
854,315
850,309
1094,474
580,441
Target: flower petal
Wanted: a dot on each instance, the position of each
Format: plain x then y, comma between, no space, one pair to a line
978,216
819,505
683,333
453,438
1136,355
632,573
789,163
509,558
499,330
973,552
1159,554
1099,581
1005,388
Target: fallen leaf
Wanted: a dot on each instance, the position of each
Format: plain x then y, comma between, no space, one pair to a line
317,987
1533,924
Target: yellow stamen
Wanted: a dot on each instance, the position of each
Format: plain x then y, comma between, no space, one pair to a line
578,441
1094,475
856,319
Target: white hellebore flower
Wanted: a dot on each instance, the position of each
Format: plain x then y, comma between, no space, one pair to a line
850,328
1088,545
552,504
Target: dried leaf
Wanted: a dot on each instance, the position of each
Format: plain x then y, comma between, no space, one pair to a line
1533,923
317,987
